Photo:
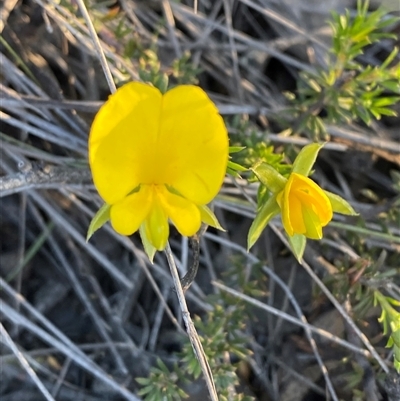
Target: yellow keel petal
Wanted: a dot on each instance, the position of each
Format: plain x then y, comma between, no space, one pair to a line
156,225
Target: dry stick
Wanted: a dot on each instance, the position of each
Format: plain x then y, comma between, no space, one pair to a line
369,382
97,46
169,17
295,306
336,304
191,330
289,318
140,257
234,53
21,248
61,377
87,303
308,331
25,364
70,351
47,176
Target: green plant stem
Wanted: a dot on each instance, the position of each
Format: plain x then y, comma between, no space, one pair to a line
33,249
18,60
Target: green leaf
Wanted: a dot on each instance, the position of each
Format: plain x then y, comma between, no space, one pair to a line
236,149
143,380
147,245
382,111
362,112
208,217
163,367
233,173
306,159
98,221
386,101
298,245
274,181
267,211
390,58
236,166
392,85
339,205
146,390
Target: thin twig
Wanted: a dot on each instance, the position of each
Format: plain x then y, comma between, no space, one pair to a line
191,330
44,177
25,364
290,318
69,350
336,304
234,54
169,17
97,45
369,382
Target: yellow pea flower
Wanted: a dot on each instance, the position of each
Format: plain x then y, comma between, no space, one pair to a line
305,207
156,157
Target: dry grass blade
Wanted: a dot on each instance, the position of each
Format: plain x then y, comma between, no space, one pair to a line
97,45
57,340
340,309
25,364
290,318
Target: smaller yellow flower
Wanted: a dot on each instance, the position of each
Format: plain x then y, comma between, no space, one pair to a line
305,207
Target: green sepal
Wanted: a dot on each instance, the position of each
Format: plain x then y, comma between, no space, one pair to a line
306,159
298,245
233,168
147,245
161,82
270,177
98,221
208,217
236,166
236,149
267,211
339,205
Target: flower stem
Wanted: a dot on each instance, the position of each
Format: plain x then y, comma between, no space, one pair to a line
191,330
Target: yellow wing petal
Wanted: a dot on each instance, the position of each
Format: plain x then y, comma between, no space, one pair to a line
184,214
127,215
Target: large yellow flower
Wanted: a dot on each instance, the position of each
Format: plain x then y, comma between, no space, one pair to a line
156,157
